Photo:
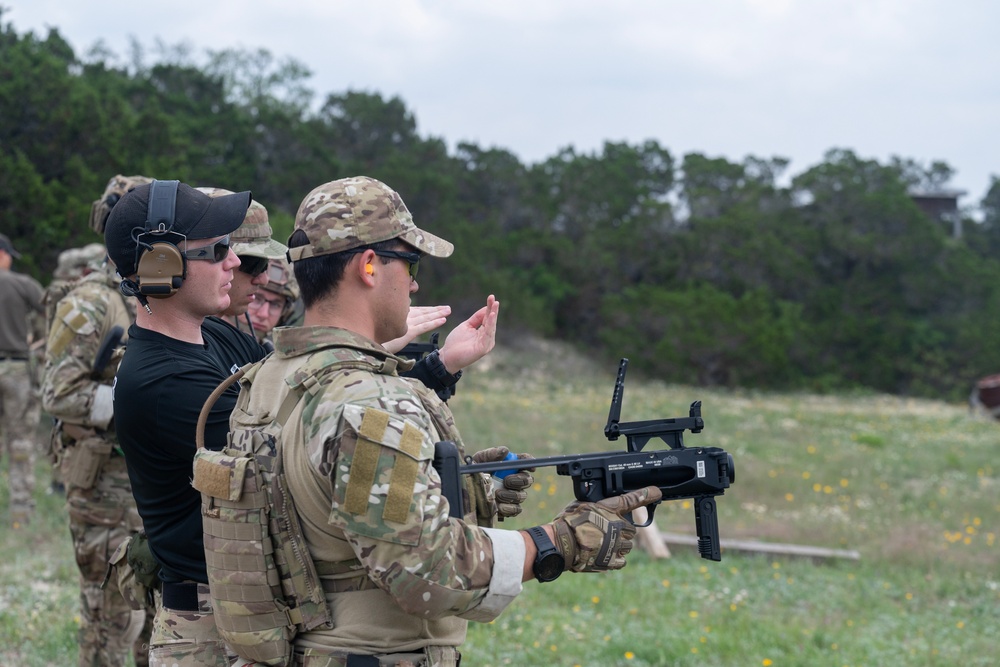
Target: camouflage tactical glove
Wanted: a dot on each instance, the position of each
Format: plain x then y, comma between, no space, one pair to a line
593,537
512,493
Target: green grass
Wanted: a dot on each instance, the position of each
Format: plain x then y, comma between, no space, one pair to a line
39,590
910,484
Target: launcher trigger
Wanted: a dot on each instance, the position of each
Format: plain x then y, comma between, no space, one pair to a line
650,510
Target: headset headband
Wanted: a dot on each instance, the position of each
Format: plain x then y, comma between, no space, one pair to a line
162,205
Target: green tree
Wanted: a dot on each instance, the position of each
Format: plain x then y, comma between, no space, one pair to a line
876,257
701,335
604,222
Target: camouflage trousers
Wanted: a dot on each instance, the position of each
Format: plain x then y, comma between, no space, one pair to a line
20,411
188,638
100,518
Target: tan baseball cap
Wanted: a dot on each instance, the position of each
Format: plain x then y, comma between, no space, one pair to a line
253,237
353,212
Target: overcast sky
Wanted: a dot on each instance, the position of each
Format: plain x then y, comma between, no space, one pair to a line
727,78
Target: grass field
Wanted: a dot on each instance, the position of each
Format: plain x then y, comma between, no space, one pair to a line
910,484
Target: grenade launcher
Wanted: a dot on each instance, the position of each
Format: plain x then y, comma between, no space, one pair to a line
698,473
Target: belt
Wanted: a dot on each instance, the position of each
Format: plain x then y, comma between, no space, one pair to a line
181,597
426,657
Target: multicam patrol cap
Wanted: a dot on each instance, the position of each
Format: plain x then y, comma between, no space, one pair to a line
116,188
353,212
281,280
253,237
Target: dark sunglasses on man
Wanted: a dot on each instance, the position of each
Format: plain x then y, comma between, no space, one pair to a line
253,265
411,258
214,253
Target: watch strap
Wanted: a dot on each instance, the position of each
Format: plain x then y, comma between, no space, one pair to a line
547,552
541,540
439,372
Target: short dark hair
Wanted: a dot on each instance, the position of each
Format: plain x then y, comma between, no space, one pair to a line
319,276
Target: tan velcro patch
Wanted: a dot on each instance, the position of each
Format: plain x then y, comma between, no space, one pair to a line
219,475
364,464
60,337
404,477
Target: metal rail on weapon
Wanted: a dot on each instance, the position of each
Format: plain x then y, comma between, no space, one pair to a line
696,473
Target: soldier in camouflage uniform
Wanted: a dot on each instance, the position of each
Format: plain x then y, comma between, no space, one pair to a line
102,512
401,577
73,264
274,305
20,320
76,391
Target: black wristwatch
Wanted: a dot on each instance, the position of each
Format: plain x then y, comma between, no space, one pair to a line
439,372
549,563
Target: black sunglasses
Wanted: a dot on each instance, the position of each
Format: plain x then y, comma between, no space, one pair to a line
253,265
411,258
214,253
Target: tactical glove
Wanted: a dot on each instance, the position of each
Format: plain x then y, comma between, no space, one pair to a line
593,537
513,491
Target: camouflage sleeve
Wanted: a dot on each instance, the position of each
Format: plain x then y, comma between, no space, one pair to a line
68,392
387,500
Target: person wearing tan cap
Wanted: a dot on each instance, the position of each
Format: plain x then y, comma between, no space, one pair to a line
21,319
255,248
401,577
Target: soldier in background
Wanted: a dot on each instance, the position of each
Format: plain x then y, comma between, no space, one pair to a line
274,305
73,264
89,326
21,313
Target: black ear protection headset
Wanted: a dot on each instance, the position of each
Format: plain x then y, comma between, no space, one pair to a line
161,266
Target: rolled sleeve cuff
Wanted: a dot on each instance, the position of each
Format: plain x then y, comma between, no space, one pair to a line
505,584
103,408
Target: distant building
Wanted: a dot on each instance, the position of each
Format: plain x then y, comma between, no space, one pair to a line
941,205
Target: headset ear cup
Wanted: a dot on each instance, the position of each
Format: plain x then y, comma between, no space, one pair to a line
161,270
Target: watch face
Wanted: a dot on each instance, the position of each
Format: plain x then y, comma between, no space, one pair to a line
549,566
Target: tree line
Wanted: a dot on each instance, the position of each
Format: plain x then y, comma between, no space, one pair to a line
701,270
